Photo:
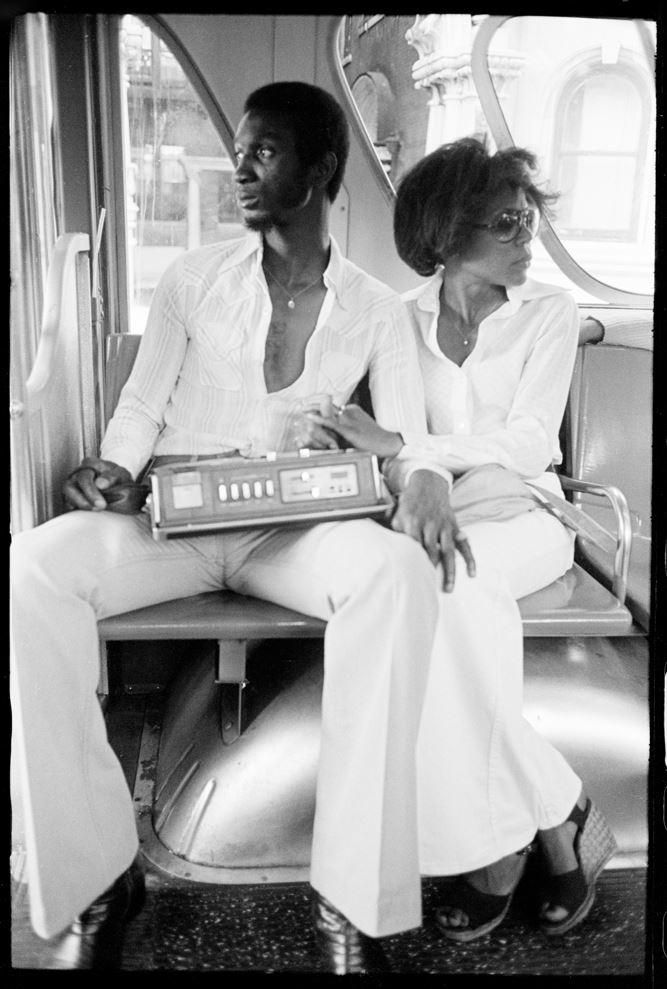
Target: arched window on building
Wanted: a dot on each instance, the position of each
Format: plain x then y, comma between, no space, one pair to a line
601,152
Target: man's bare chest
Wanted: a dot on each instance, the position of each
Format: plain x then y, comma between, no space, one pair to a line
287,339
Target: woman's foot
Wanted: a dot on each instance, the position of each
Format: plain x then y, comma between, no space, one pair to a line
557,844
479,901
576,852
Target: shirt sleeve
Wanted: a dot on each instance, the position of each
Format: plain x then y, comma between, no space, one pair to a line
139,417
397,394
528,443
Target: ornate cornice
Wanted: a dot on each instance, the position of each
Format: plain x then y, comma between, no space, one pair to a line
444,45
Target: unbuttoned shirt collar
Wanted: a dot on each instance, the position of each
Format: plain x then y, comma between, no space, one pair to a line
252,248
426,299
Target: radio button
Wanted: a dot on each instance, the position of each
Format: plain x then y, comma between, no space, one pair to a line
269,487
234,491
257,488
222,492
245,489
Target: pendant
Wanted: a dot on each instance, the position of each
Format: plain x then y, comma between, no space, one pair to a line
465,343
290,303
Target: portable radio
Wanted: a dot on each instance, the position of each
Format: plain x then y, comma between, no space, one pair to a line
205,496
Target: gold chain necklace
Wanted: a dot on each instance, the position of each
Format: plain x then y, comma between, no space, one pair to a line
291,297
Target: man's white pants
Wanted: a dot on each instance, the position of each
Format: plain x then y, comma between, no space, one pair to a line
483,780
378,591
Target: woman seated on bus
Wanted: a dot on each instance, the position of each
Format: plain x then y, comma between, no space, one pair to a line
497,351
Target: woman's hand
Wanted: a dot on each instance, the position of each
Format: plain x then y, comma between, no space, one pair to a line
84,486
359,430
424,512
309,430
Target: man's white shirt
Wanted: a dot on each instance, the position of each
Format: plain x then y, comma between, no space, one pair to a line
198,388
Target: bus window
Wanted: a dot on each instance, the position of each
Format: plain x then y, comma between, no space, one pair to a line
584,101
178,176
579,92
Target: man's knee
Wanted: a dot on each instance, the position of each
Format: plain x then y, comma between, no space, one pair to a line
46,552
399,563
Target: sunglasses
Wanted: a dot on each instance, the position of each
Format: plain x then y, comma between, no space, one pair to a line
506,226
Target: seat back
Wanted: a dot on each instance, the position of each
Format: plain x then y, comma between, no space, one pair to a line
610,443
121,354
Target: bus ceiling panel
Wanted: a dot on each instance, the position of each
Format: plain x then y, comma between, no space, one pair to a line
236,53
573,61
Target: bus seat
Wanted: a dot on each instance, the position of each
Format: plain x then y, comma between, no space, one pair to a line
577,604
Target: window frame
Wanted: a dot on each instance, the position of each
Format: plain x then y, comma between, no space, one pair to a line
502,136
336,48
499,129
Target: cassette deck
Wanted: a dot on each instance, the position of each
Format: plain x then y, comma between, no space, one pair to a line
206,496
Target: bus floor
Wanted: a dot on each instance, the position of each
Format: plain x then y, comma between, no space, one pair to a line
253,929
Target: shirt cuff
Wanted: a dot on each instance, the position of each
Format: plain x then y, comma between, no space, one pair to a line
119,456
417,454
398,470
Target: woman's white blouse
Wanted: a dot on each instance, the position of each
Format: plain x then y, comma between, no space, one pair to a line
506,402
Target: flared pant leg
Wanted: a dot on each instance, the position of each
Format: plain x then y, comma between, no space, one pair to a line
78,815
378,590
487,779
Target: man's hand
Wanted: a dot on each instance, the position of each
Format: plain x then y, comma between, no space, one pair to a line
424,512
84,486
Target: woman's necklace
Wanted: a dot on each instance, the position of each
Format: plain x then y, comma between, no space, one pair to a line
291,297
464,336
455,321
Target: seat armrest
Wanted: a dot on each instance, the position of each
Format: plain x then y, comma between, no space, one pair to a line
623,534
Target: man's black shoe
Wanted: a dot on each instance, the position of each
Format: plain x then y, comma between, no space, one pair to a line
345,949
95,938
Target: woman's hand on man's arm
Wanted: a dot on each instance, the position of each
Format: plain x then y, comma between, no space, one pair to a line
357,429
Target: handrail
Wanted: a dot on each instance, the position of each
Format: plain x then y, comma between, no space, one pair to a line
64,254
619,505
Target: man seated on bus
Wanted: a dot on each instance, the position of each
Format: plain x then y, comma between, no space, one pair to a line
240,337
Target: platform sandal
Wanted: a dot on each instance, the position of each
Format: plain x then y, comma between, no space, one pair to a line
574,891
482,911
